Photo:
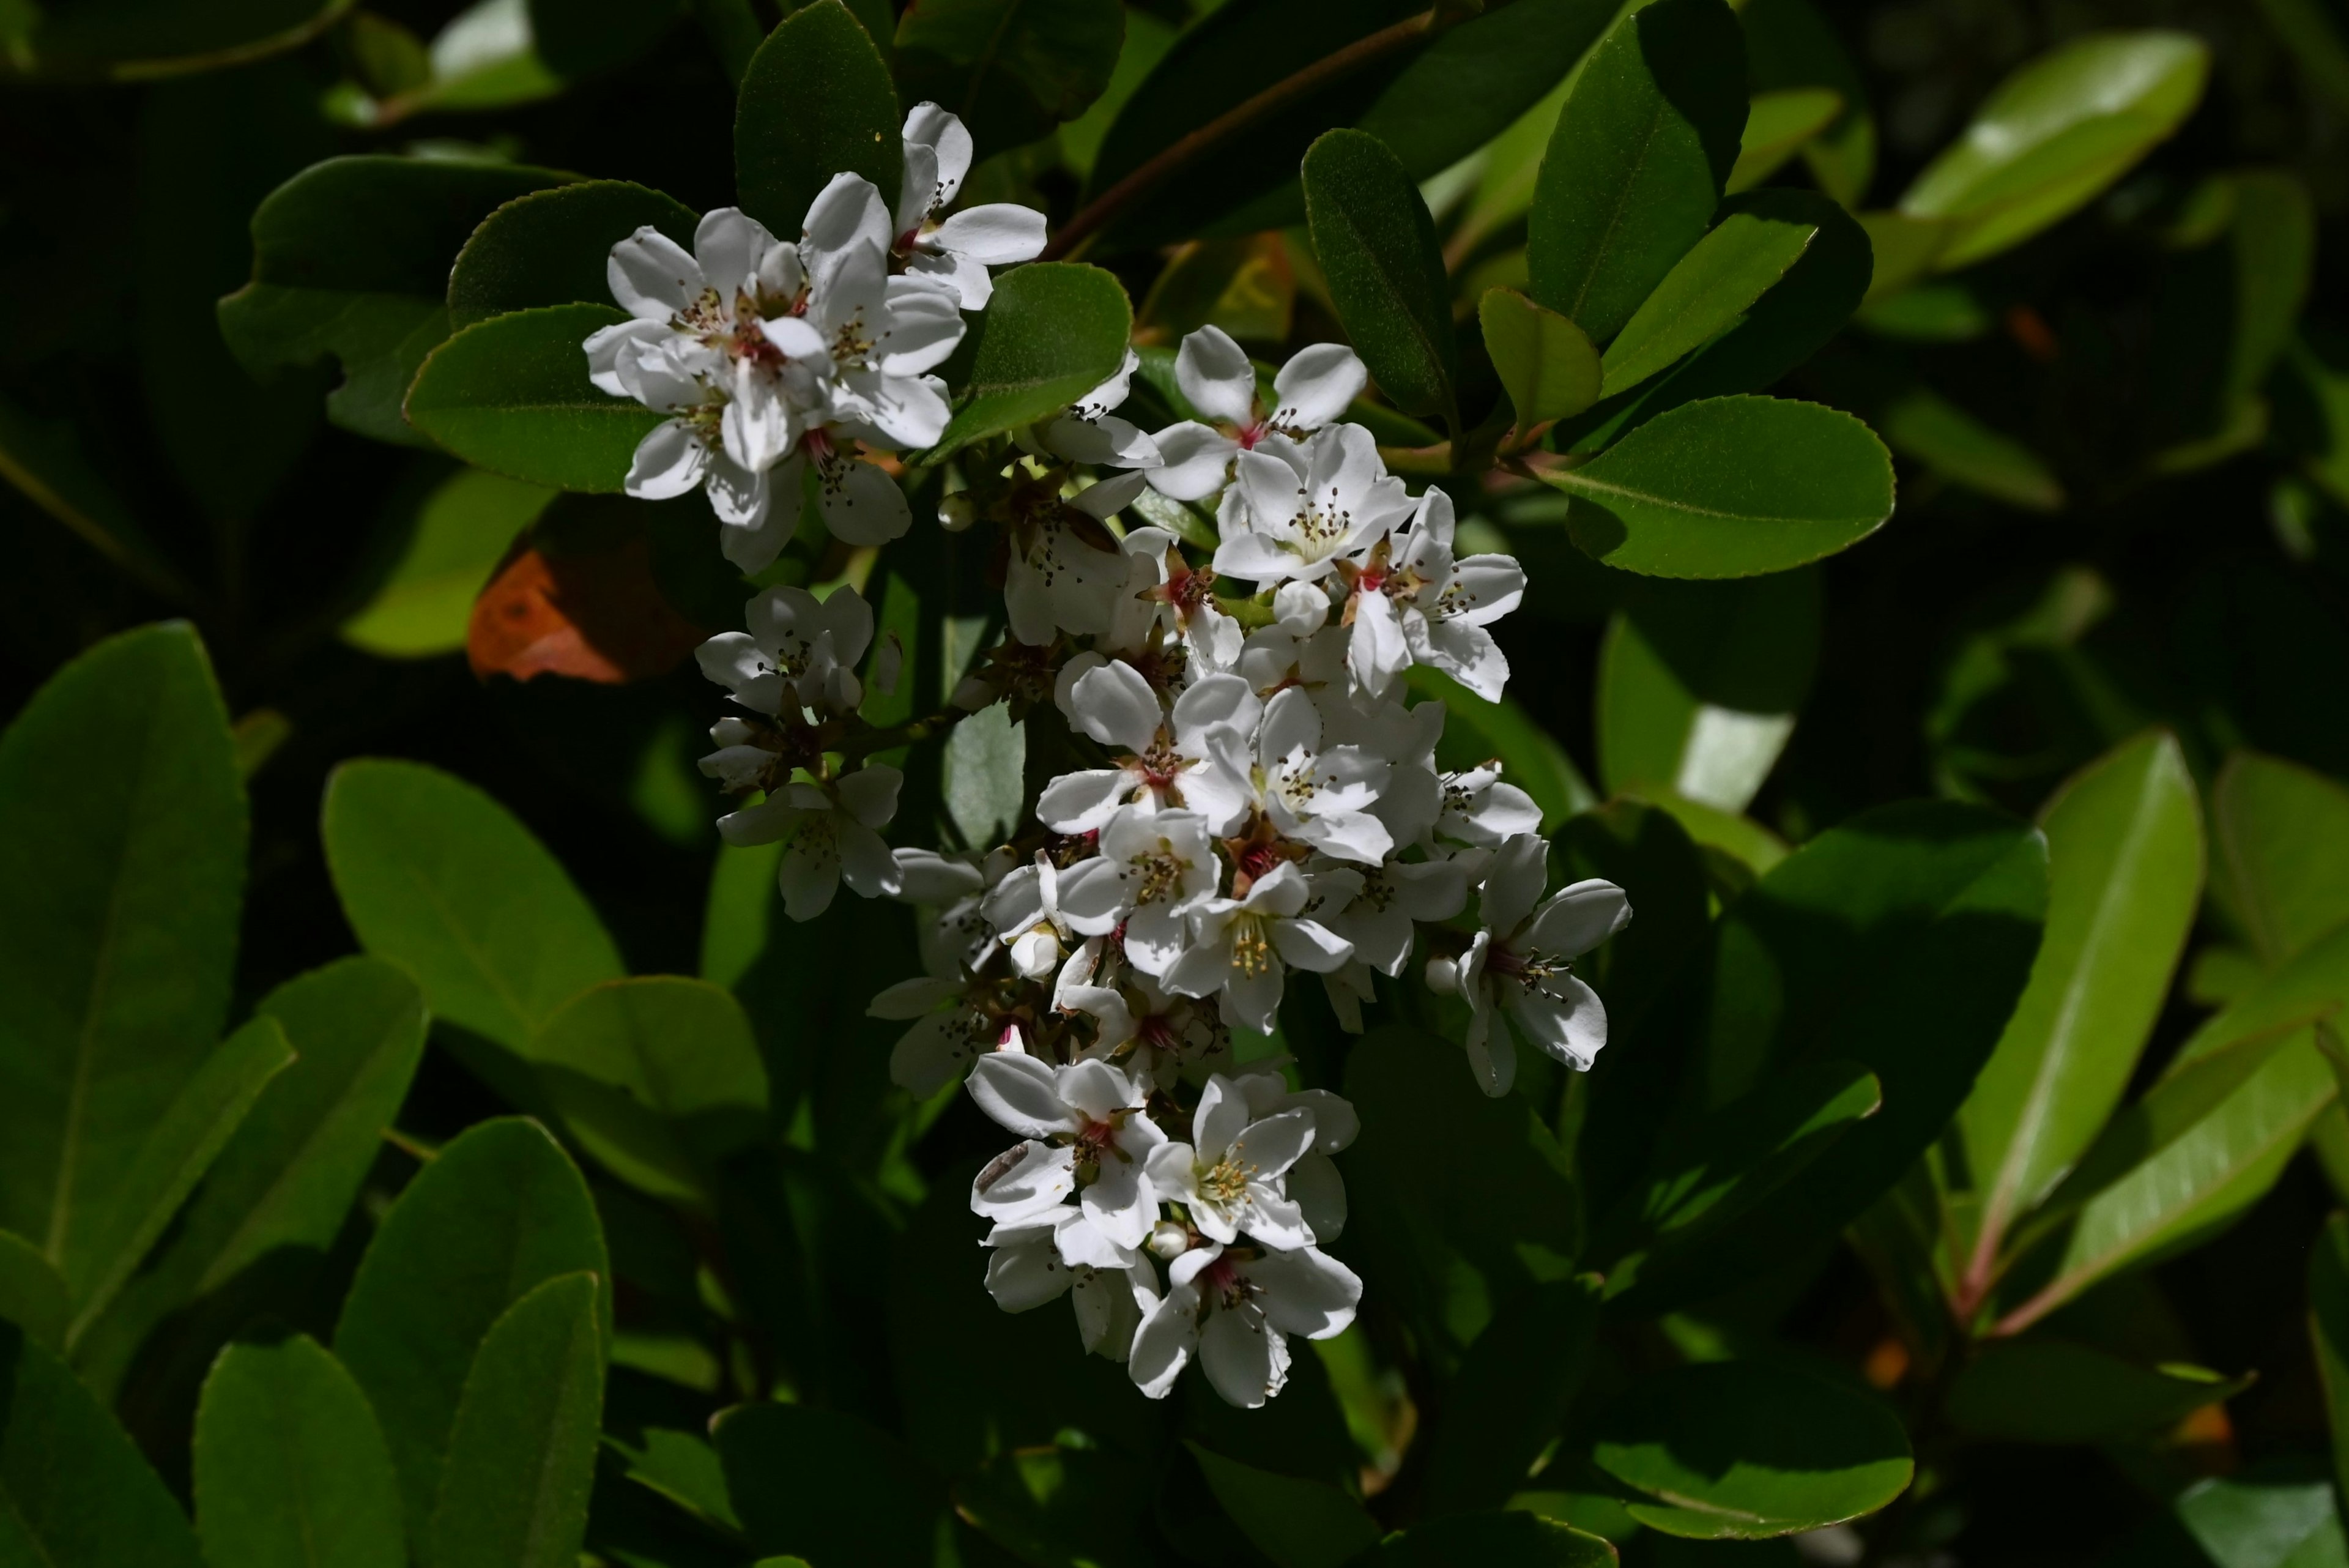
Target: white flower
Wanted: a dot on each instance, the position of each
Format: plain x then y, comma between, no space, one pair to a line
954,1015
1153,1034
1167,755
1111,1286
1230,1176
1476,808
1213,372
1307,506
1235,1310
1065,567
955,254
1025,910
1152,869
797,646
1313,1181
1317,794
1517,967
1407,599
1089,1116
1089,432
1395,896
832,829
1162,592
1239,945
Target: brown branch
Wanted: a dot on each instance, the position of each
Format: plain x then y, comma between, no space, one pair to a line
1110,203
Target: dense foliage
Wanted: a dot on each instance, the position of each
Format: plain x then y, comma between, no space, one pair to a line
1064,783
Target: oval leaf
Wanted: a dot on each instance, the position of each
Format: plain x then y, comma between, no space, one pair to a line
512,394
1730,487
1297,1523
552,247
75,1492
291,1470
1052,332
2280,834
817,101
1707,291
1544,361
1376,244
1741,1450
2054,1391
1010,69
499,1212
1636,164
521,1455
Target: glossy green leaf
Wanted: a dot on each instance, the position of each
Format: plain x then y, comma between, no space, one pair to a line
511,395
817,101
2054,134
1376,244
1447,1243
116,942
461,532
2271,253
656,1078
440,879
1477,731
2328,1327
1719,833
1778,125
1708,290
1730,487
1791,46
552,247
1544,361
2124,881
1636,164
1741,1449
1710,1176
1898,940
350,258
2057,1391
75,1492
522,1454
80,39
1784,327
1921,423
497,1213
1509,1398
32,1293
1010,69
1054,332
1500,1540
1699,684
291,1470
2280,853
827,1486
1295,1523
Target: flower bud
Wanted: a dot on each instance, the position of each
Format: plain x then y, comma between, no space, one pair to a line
1168,1240
957,512
1444,976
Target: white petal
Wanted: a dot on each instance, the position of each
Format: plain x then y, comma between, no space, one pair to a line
1164,1344
651,275
669,462
1215,376
1376,655
1513,881
1243,1357
1082,802
1309,946
1026,1274
1031,1182
1116,706
1307,1292
1018,1090
1320,1196
730,245
1576,918
1268,1147
847,212
862,505
1566,1019
997,234
1195,460
932,1053
1316,385
870,795
942,132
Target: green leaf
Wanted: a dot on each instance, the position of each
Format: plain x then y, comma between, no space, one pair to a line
522,1454
1498,1540
552,247
32,1293
1447,1243
47,463
1062,1507
75,1492
1052,332
1899,941
2055,1391
1509,1398
1741,1450
817,101
1376,244
827,1486
583,39
511,395
1790,45
1636,164
1699,684
1708,290
2124,881
1530,756
1295,1523
2278,1514
2280,842
656,1078
1010,69
118,938
350,258
2053,135
78,38
461,532
497,1213
2328,1328
440,879
1920,422
1777,126
1544,361
291,1470
1730,487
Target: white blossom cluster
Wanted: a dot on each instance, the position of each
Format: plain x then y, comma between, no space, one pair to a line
1258,796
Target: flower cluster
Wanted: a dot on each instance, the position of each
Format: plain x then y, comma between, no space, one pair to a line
1254,799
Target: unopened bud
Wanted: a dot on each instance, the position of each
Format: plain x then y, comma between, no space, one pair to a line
1444,976
957,512
1168,1240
